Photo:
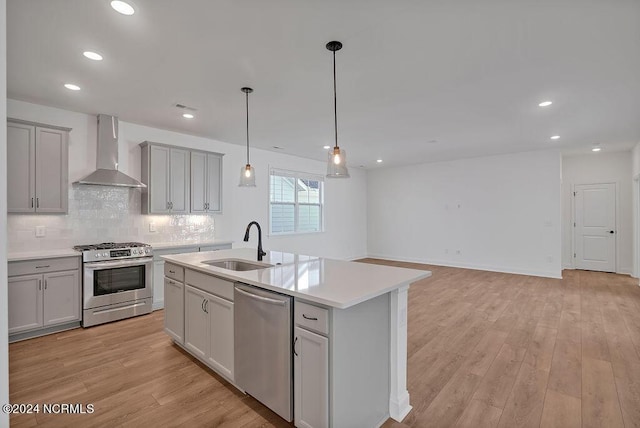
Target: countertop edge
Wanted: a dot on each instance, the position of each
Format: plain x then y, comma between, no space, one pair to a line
20,256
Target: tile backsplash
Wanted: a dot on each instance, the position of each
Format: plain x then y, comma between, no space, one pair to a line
103,214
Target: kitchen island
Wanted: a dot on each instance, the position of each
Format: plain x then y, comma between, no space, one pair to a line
349,334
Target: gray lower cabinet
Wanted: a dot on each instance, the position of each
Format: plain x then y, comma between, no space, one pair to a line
208,328
42,300
341,364
37,168
174,302
206,182
165,171
311,379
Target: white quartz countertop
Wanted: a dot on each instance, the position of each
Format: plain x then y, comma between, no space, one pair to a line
186,244
336,283
42,254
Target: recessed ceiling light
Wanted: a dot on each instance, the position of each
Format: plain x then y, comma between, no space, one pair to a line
92,55
72,86
596,149
555,137
379,161
545,103
188,116
122,7
326,147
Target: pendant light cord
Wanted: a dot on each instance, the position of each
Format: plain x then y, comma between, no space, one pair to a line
247,99
335,100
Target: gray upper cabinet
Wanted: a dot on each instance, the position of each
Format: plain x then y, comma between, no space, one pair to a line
165,171
206,182
37,168
180,181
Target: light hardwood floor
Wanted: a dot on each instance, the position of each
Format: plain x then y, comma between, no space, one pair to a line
485,350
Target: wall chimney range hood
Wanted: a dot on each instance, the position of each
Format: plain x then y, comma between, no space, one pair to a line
106,173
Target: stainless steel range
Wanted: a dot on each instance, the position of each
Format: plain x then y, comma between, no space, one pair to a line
117,281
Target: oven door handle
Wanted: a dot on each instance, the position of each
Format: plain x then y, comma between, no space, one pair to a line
118,263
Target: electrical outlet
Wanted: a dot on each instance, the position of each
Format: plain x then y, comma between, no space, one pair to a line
458,252
550,259
152,227
41,231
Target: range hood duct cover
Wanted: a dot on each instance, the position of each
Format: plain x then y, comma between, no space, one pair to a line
106,173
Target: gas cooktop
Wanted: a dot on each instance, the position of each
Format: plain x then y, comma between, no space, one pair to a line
114,250
110,246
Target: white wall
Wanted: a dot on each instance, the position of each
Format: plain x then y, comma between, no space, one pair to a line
4,322
635,200
600,168
502,213
345,200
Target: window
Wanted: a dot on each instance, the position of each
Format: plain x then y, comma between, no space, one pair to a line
295,202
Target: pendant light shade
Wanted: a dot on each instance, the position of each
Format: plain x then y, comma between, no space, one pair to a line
247,173
337,163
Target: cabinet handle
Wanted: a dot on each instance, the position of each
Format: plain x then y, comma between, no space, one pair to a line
37,202
170,205
171,282
294,346
45,284
39,284
206,306
31,202
42,267
202,305
309,318
171,271
167,204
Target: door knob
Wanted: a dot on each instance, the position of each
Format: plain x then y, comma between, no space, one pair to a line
612,231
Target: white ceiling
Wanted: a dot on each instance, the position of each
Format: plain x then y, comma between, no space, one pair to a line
468,74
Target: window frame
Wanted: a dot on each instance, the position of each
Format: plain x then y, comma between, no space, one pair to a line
297,175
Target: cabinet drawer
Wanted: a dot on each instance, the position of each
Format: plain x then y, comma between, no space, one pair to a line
210,284
312,317
28,267
174,271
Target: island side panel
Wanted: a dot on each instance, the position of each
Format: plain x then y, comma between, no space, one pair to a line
359,369
399,406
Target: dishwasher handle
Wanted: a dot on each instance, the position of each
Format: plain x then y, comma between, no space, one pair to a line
261,298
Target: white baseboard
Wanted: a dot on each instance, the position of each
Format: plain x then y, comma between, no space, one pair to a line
625,271
350,259
157,305
501,269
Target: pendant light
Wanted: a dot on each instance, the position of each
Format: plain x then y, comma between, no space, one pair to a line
247,173
337,165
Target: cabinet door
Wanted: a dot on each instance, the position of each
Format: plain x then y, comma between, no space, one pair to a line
214,183
61,297
25,303
198,182
179,181
21,184
174,309
221,350
311,379
196,322
158,180
52,175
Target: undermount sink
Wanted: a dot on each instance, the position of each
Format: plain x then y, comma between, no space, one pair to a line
237,265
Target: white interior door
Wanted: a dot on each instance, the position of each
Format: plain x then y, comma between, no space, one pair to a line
595,227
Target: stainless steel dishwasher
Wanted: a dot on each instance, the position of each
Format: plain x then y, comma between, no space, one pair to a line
262,349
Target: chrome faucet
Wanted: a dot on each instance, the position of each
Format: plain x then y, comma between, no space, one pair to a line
246,239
